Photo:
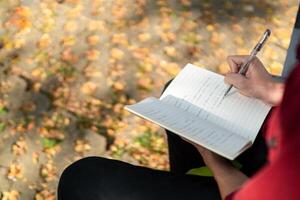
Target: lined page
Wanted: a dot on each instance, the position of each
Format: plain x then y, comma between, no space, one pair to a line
189,126
200,92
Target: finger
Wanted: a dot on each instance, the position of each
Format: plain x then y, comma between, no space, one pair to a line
257,64
198,147
235,62
244,93
237,80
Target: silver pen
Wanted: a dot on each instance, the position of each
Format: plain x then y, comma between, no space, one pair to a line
257,48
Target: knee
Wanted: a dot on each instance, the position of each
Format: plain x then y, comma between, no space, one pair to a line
76,176
83,168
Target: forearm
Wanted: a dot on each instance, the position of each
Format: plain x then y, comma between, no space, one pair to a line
274,93
228,178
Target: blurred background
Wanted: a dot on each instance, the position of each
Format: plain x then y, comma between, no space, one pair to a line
68,67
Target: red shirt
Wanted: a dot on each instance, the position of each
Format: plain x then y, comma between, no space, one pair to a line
279,179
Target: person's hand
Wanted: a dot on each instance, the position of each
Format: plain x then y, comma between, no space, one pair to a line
257,83
210,158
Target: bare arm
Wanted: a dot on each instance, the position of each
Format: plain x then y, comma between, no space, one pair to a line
228,178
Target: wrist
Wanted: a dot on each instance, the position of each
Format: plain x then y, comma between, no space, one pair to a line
214,161
274,93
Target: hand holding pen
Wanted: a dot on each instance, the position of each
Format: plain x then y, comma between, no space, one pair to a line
244,68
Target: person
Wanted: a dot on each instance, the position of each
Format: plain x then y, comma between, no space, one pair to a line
96,178
270,168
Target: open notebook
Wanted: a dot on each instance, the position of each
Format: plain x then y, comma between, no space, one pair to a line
193,107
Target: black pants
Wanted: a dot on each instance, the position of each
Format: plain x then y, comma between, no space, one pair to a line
96,178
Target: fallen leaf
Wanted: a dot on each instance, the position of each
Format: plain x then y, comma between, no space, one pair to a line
117,54
144,37
92,54
20,147
10,195
15,172
88,88
170,51
81,146
93,40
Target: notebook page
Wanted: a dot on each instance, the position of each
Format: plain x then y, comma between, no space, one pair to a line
200,92
189,126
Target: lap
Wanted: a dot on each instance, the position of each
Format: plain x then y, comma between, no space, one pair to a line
97,178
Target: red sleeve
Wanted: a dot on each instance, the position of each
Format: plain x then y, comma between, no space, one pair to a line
277,181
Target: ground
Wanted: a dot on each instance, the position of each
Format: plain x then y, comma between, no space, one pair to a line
68,67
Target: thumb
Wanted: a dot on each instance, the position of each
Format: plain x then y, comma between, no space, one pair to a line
235,79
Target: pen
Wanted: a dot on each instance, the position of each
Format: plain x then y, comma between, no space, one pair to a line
256,49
